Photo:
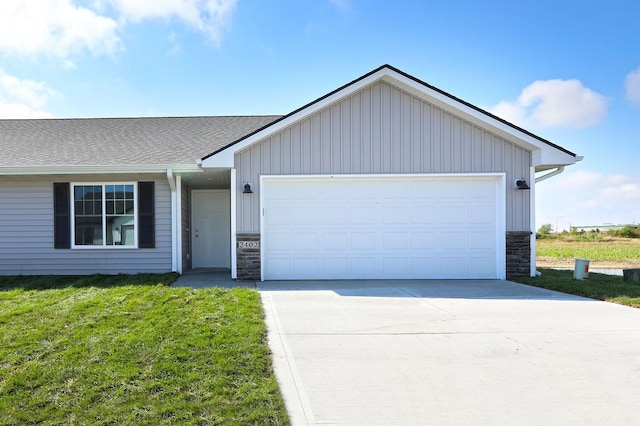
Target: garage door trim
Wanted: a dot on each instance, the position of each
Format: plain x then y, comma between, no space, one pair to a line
500,237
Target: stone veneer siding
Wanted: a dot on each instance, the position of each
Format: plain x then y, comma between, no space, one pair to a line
248,257
518,254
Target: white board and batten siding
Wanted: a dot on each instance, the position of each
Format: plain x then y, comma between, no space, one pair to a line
382,129
27,240
373,227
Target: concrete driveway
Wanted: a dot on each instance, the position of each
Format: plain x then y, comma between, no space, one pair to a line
451,353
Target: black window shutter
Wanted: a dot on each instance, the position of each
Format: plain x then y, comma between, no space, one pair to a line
61,215
146,215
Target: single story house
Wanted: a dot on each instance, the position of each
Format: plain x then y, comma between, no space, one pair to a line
385,177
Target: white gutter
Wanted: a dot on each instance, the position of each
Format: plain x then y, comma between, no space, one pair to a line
549,175
99,169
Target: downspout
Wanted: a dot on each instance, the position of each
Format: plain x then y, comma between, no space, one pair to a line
234,254
556,172
179,224
174,220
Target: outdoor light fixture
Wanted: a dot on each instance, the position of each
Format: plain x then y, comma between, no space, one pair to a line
522,184
247,188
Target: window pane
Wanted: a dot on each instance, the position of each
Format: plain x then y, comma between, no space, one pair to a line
88,231
88,215
121,220
120,230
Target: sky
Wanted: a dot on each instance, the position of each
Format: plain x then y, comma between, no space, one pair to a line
568,71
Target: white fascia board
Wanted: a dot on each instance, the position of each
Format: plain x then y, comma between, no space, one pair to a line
83,170
225,158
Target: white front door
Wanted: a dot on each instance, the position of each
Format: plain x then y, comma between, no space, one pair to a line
211,228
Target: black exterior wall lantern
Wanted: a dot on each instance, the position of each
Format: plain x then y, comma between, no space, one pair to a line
247,188
522,184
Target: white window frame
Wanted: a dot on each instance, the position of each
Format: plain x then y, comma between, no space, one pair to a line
104,216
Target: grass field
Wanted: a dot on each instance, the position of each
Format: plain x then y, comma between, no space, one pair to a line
130,350
595,249
610,288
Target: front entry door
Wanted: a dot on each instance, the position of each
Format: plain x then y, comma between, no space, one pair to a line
211,225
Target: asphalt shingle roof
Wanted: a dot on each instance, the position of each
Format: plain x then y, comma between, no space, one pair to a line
120,141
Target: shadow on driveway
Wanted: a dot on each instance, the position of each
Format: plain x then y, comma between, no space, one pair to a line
447,289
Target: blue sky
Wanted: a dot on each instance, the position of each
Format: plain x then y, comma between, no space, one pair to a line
568,71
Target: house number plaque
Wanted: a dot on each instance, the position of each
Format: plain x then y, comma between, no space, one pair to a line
248,244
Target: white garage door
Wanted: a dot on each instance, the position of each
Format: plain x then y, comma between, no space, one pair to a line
376,228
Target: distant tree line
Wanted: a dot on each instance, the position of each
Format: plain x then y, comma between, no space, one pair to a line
628,231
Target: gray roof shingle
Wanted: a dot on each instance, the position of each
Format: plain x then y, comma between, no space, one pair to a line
120,141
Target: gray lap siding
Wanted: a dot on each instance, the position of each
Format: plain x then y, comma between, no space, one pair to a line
27,234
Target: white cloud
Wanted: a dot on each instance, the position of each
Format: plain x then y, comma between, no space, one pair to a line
54,27
554,103
208,16
632,86
588,198
61,28
23,98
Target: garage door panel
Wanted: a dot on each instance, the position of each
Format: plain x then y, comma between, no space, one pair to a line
278,216
363,264
334,190
304,240
362,215
420,191
423,240
479,189
454,240
276,265
392,264
453,266
335,241
362,191
333,267
279,241
305,265
481,240
453,215
483,267
335,215
380,228
481,214
303,215
394,215
362,240
424,267
423,214
395,240
394,190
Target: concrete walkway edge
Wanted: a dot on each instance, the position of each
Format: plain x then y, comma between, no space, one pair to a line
284,366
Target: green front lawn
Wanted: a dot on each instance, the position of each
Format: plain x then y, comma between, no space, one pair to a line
595,247
611,288
131,350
